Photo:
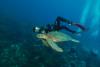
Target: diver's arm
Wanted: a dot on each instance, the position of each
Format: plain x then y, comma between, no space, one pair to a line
66,28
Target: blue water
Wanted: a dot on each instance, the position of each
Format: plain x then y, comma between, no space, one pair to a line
16,36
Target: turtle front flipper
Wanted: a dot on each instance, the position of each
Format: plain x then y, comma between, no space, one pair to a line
45,42
54,46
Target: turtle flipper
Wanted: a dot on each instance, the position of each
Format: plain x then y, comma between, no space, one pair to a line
45,42
74,40
54,46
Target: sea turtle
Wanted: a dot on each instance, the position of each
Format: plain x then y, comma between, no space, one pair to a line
51,38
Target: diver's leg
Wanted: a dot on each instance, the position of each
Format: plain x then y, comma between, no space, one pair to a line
57,25
61,19
66,28
80,26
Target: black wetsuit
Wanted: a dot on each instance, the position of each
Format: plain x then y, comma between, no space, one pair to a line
57,26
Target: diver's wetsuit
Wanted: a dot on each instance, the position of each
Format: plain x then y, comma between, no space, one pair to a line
57,26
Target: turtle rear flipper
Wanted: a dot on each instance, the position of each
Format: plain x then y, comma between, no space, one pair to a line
54,46
74,40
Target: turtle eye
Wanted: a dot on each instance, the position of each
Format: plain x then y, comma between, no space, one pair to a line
39,35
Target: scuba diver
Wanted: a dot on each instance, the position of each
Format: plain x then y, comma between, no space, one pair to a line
57,26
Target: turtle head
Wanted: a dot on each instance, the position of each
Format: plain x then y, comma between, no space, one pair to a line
42,36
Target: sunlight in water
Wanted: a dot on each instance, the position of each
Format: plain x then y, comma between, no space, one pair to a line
96,15
91,12
95,33
96,18
85,12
